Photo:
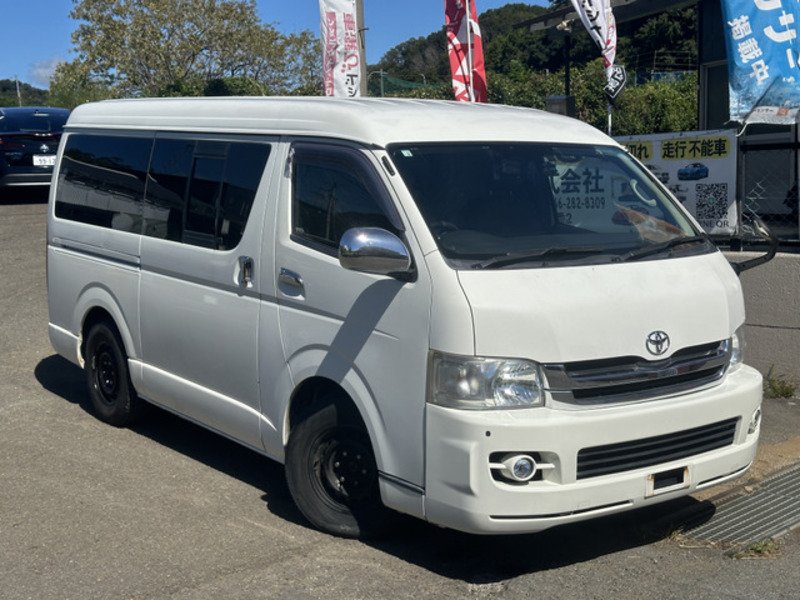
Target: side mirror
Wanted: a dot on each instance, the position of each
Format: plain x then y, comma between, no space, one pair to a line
374,250
761,229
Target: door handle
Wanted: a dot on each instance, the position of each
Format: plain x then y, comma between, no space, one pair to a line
290,278
245,271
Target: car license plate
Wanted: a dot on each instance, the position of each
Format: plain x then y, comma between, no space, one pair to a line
41,160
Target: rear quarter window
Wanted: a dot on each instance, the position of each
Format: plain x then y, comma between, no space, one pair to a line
186,190
101,181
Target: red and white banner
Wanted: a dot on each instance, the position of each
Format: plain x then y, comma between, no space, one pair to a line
341,53
465,48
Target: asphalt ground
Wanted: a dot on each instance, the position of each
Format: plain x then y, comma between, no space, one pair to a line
168,510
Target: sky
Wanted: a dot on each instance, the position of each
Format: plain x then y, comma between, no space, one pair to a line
36,33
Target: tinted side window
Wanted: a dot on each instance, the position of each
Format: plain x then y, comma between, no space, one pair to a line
243,171
334,190
204,193
170,170
102,180
201,192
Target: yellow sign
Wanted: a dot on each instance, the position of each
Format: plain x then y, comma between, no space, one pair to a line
641,150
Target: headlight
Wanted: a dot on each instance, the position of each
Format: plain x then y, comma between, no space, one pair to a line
475,383
737,348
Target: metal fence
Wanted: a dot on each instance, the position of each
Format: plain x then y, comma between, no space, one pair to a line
768,186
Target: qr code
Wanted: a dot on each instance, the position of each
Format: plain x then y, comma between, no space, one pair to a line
712,201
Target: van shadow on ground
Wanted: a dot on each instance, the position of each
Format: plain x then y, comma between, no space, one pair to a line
470,558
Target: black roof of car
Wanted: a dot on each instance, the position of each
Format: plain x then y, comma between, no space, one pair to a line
21,110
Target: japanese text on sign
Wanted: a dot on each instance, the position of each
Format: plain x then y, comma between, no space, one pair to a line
640,150
692,148
763,48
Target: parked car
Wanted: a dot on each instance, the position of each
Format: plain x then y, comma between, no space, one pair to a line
29,137
693,171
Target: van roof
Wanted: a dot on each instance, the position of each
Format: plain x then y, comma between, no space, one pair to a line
372,121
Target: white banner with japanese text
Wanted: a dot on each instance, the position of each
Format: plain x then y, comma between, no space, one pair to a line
340,47
763,47
598,19
699,168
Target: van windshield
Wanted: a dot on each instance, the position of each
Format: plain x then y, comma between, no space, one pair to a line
501,205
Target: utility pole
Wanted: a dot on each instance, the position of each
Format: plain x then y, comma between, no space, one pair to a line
19,95
362,47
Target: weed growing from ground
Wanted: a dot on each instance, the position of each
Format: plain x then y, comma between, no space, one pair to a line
778,386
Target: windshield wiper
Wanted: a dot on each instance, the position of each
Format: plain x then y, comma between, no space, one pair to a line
639,253
514,258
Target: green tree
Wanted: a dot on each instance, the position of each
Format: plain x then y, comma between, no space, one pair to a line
176,47
30,95
658,107
72,84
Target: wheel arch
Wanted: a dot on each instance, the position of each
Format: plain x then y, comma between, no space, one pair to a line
97,304
312,393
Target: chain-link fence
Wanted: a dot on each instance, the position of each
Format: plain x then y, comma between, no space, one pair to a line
769,186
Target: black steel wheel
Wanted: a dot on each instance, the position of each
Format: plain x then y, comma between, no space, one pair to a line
110,389
332,475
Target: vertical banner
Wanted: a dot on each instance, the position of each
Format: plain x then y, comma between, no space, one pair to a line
763,46
699,168
598,19
465,48
341,56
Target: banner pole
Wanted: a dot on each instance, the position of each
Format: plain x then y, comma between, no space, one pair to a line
362,47
471,84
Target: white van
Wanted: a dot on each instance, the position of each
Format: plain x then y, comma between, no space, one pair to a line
490,318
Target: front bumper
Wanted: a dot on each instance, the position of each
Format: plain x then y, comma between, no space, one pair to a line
461,493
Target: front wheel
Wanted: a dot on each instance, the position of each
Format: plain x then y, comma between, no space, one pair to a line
110,388
332,474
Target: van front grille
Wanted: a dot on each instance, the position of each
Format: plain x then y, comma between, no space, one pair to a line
638,454
633,379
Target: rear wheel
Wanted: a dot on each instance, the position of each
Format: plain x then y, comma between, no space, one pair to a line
110,388
332,474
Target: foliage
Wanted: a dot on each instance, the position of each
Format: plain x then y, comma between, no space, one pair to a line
72,84
30,95
764,549
658,106
778,386
178,47
523,68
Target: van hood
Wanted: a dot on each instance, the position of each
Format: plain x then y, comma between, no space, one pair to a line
565,314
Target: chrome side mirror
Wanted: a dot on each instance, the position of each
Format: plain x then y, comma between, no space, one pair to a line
374,250
762,230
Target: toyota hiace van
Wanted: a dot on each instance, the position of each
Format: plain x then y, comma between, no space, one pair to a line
490,318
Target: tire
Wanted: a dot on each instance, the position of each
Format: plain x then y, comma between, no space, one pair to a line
332,474
110,389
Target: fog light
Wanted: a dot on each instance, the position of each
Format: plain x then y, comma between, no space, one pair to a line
519,467
755,421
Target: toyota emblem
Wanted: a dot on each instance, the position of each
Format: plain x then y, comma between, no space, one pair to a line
44,148
657,343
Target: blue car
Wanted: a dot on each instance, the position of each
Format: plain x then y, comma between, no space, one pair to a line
693,171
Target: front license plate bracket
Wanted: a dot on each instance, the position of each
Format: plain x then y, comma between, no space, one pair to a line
667,481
